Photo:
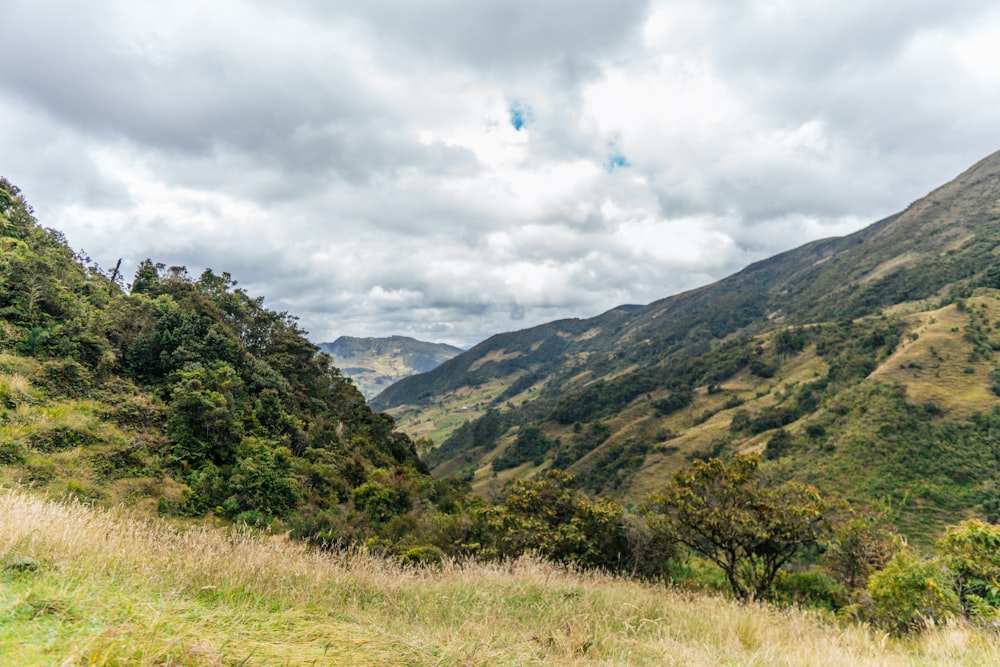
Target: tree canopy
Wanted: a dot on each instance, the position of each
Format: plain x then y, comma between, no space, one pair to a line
728,513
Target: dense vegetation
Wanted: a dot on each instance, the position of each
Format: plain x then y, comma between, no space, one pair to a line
185,391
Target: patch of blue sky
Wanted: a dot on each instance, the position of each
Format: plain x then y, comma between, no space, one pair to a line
616,158
520,114
617,161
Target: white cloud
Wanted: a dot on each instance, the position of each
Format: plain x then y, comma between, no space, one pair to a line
357,164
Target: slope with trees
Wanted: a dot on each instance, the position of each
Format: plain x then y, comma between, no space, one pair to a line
184,395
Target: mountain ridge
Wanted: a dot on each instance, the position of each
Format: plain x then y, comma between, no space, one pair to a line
808,267
777,350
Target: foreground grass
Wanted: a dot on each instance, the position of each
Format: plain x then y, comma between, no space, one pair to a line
86,587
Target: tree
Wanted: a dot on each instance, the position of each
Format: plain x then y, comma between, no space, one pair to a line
548,517
862,543
204,418
726,512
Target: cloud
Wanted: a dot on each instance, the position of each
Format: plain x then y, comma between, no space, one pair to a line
448,170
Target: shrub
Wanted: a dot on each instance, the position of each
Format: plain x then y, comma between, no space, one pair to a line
11,453
65,377
40,471
972,553
862,543
423,555
911,594
548,517
62,438
811,589
379,502
778,445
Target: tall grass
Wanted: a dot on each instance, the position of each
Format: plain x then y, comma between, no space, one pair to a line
81,586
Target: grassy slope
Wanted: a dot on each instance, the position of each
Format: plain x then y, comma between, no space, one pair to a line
62,445
99,588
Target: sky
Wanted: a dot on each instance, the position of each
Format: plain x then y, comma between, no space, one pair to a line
451,169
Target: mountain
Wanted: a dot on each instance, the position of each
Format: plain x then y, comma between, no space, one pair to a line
802,343
375,363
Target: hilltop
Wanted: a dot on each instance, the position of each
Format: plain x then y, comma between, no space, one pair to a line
375,363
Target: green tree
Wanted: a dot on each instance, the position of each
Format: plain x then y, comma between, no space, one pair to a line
862,543
726,512
204,415
549,518
261,481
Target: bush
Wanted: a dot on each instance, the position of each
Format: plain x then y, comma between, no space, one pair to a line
911,594
862,543
811,589
778,445
40,471
531,444
423,555
65,377
62,438
11,453
972,553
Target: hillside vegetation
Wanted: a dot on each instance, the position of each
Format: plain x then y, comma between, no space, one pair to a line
862,364
100,588
182,396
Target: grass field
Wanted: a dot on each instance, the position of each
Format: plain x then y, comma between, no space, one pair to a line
81,586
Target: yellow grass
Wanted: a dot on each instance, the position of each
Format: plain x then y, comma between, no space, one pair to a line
111,589
936,365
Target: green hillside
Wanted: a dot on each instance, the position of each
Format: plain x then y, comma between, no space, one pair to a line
184,397
863,364
255,505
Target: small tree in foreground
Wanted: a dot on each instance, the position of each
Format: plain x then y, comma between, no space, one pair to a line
726,512
862,542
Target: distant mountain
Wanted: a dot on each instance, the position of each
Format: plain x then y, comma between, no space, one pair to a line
802,343
375,363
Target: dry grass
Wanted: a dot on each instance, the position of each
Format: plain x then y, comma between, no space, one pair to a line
15,388
111,589
936,366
